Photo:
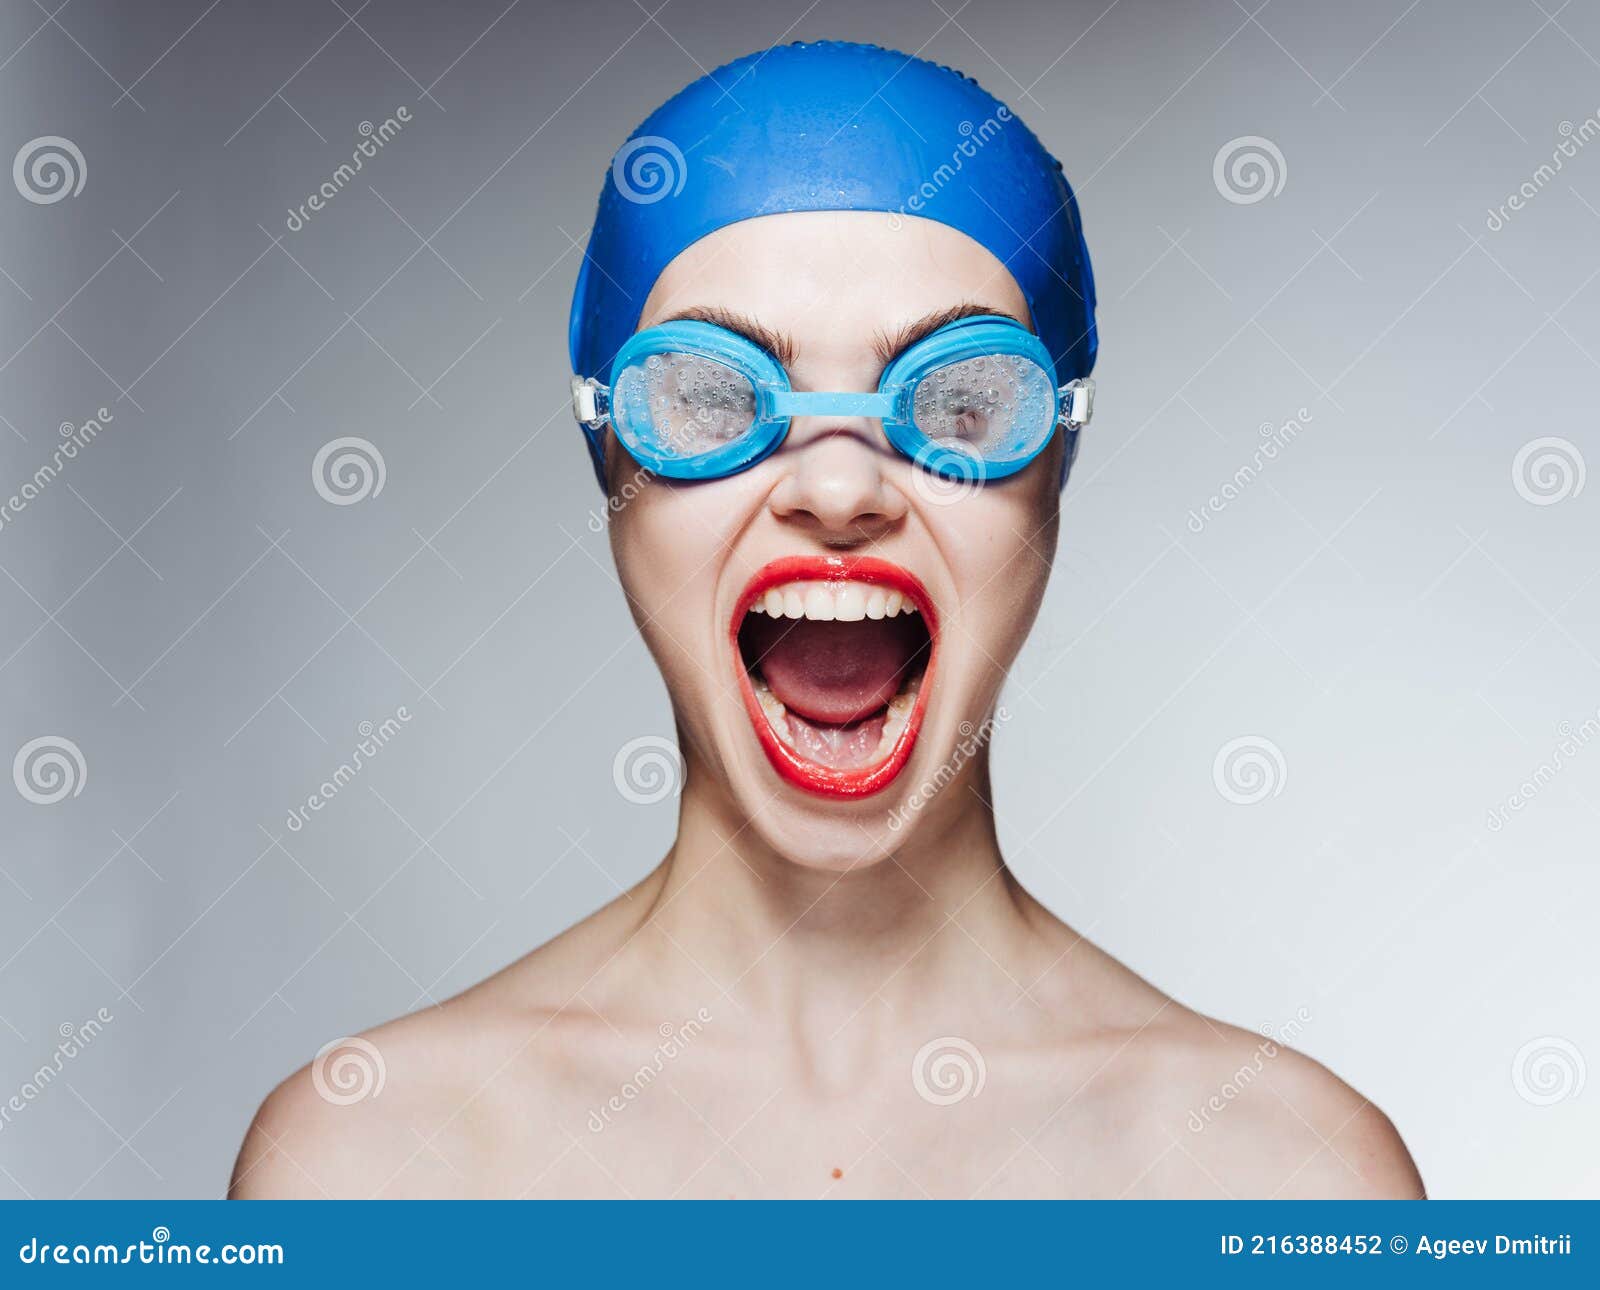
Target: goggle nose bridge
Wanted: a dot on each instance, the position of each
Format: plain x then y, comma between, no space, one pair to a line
834,403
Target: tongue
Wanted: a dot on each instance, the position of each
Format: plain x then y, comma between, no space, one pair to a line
834,673
844,747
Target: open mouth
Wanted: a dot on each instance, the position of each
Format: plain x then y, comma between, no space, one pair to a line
835,655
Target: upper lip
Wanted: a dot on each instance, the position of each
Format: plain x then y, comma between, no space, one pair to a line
836,568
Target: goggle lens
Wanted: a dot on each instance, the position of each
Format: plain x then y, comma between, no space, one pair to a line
684,404
997,407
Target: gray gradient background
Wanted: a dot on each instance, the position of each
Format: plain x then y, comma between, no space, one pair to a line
1381,603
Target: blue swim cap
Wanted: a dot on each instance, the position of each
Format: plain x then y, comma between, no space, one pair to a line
833,126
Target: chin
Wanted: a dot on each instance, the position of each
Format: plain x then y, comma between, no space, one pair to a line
925,802
827,837
824,842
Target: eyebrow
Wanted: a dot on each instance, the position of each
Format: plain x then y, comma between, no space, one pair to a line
890,345
887,345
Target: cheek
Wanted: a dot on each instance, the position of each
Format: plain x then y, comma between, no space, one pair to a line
1001,545
670,544
660,564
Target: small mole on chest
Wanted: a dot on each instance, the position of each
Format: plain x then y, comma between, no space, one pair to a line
838,1173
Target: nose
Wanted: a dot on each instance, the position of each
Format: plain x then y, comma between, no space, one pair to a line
835,485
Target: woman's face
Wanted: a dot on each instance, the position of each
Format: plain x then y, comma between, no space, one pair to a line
834,623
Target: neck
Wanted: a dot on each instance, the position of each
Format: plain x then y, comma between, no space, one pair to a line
788,941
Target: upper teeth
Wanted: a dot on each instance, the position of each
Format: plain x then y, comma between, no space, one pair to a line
829,601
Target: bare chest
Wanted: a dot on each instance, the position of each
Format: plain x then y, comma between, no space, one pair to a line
708,1144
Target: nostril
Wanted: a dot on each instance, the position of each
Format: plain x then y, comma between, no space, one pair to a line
834,482
848,518
834,501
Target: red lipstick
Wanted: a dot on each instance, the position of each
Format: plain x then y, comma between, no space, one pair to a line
832,781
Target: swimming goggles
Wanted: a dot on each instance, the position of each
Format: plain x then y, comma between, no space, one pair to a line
976,400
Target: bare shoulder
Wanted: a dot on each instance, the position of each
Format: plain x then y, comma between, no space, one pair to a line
429,1105
1182,1105
368,1112
1257,1118
463,1098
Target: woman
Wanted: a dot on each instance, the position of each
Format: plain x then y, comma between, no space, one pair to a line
832,339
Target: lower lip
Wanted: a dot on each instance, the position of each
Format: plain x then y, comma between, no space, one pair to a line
828,781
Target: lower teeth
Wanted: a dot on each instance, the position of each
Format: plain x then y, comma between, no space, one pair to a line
771,705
